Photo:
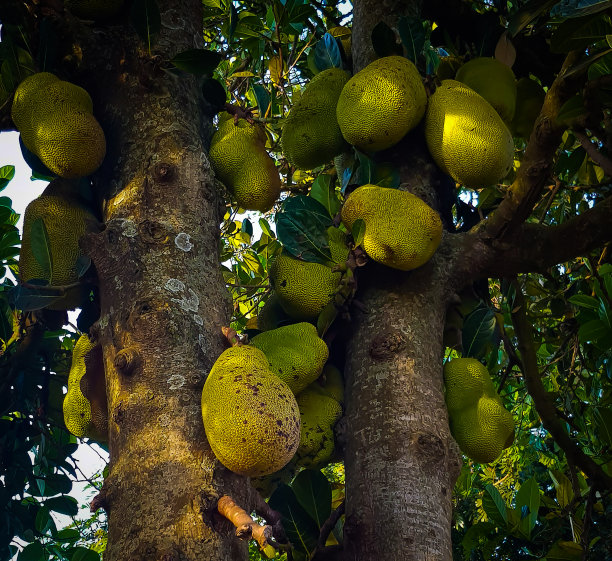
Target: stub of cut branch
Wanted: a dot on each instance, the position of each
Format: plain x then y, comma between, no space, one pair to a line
246,527
234,339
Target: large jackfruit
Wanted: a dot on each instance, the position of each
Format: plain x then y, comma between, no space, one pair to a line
311,136
320,409
478,421
250,415
295,352
94,9
466,137
401,231
65,222
529,100
56,123
493,80
85,406
305,288
239,158
381,103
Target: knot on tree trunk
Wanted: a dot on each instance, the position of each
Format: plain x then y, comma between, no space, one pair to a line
384,346
164,172
430,447
127,361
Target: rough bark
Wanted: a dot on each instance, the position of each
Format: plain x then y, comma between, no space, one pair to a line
163,300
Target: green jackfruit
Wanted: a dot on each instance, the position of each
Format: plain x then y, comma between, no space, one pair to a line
295,352
448,67
478,421
65,222
401,231
85,408
305,288
271,314
529,100
466,137
250,415
94,9
267,484
311,136
239,158
319,413
493,80
56,123
380,104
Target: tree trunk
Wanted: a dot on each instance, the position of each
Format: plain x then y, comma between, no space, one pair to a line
163,299
401,462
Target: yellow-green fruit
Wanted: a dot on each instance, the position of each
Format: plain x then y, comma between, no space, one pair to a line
319,412
271,314
239,158
267,484
65,222
295,352
466,137
448,67
94,9
494,81
529,100
25,97
401,231
250,415
333,383
380,104
305,288
83,416
478,421
311,136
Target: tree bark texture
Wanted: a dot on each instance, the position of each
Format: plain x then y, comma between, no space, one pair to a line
163,300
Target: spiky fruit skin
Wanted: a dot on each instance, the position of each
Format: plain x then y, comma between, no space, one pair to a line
401,231
478,421
494,81
65,223
305,288
381,103
529,100
267,484
271,314
250,415
56,123
466,137
239,158
295,352
311,136
82,417
94,9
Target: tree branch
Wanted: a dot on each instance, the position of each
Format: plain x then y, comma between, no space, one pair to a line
595,155
543,402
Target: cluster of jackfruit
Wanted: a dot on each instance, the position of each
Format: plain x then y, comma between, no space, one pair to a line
56,123
263,408
85,407
478,420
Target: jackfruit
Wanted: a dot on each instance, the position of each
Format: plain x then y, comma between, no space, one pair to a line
380,104
311,136
85,408
65,222
401,231
94,9
478,421
493,80
305,288
267,484
250,415
529,100
466,137
448,67
295,352
271,314
56,123
319,413
239,158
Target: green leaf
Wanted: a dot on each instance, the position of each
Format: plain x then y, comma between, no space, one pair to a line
146,19
301,228
578,8
478,332
33,552
39,241
413,36
528,496
214,94
6,174
584,301
30,298
384,40
601,67
592,331
197,61
579,33
382,174
263,99
265,228
603,420
84,554
527,13
494,505
301,529
313,492
563,486
67,535
327,54
64,505
571,111
358,231
324,190
564,551
327,316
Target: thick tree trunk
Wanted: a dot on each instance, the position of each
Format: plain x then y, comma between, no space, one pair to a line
163,299
401,462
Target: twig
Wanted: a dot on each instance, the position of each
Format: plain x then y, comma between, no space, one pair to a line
587,523
591,149
329,525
